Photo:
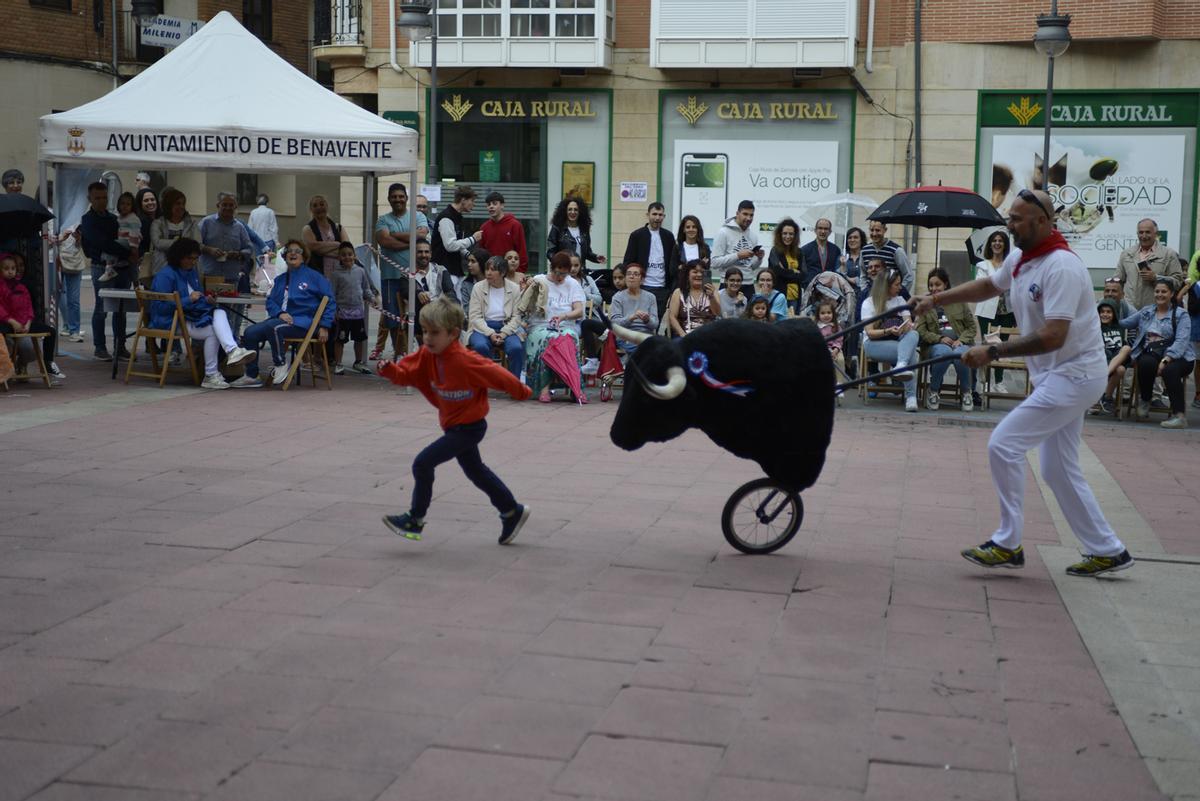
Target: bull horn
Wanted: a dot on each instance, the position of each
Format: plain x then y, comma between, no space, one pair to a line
636,337
676,381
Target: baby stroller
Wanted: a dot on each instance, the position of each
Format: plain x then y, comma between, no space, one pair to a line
836,287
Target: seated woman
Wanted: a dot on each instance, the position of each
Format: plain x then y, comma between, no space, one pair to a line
473,275
694,302
492,318
947,329
633,308
551,304
1162,347
892,340
205,321
590,327
291,305
764,284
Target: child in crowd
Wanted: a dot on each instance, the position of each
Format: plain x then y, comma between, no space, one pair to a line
16,312
351,289
826,312
514,268
1116,350
456,381
733,302
759,310
618,278
129,232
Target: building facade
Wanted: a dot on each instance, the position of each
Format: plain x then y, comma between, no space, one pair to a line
701,103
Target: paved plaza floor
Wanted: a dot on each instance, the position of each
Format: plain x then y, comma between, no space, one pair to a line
198,601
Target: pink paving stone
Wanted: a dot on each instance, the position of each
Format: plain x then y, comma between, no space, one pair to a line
444,775
520,727
26,766
912,783
948,622
708,719
730,788
798,755
953,694
261,781
639,770
963,743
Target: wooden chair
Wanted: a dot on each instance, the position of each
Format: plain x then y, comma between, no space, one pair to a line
892,388
305,353
1012,363
1130,412
34,340
951,390
176,332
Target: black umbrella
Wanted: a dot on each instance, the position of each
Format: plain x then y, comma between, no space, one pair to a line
21,216
937,207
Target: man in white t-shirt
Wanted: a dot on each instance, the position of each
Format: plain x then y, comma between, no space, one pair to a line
1060,340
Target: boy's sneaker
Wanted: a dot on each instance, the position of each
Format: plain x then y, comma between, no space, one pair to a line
976,399
214,381
109,274
240,355
405,525
992,555
968,403
102,355
511,525
1107,405
1099,565
52,368
933,400
246,382
361,367
339,370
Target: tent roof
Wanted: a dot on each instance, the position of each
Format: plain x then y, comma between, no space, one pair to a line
224,100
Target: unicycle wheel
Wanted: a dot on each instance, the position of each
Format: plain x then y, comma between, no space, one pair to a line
761,517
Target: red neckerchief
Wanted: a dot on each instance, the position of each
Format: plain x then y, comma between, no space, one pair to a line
1053,242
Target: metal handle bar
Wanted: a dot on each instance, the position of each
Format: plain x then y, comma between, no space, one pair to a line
946,357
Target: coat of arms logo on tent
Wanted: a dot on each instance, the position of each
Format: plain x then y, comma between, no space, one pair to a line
75,144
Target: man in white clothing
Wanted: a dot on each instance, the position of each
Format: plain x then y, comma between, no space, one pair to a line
264,223
1060,339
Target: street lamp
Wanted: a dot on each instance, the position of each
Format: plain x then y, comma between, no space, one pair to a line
1051,39
418,20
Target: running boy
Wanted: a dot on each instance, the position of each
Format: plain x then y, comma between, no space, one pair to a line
456,381
351,288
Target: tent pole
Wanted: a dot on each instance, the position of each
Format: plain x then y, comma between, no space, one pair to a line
368,200
49,278
412,266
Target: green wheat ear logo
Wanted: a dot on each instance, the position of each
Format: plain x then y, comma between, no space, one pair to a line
456,107
1024,112
693,111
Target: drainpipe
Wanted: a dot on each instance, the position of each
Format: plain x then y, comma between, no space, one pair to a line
392,36
116,81
869,62
916,115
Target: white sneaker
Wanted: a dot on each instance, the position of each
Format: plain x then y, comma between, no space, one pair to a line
77,336
52,368
968,403
903,375
360,367
591,366
999,387
240,355
910,404
109,274
933,399
280,372
246,382
215,381
339,370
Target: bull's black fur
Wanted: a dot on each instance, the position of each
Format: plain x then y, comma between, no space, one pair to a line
784,425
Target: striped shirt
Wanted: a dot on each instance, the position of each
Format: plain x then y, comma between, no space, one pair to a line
892,255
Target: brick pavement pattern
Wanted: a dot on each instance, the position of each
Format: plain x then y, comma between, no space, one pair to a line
198,601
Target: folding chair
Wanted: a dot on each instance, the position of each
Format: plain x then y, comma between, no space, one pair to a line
1012,363
176,331
891,388
35,340
305,351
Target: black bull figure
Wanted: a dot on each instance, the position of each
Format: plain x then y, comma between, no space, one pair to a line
761,392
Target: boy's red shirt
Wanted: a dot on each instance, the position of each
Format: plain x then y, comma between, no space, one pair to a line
456,382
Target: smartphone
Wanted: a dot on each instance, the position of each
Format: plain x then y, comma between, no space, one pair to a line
1143,265
704,189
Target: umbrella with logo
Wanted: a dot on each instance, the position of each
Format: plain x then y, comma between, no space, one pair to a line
937,207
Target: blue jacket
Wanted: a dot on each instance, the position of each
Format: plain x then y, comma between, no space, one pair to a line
810,258
1145,320
303,288
99,237
172,279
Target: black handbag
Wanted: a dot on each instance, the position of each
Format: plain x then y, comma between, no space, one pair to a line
1158,349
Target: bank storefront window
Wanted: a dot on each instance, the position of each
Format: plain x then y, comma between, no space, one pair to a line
522,143
782,150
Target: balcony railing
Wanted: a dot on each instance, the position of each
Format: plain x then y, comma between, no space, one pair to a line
337,22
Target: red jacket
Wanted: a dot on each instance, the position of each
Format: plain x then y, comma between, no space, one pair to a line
15,303
497,238
456,382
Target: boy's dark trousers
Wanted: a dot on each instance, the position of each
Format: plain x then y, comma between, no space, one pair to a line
462,443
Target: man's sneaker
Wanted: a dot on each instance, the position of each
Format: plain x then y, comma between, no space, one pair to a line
511,525
1143,409
280,371
215,381
1174,421
904,374
933,399
361,367
123,353
240,355
102,355
54,372
405,525
968,403
109,274
339,370
910,404
246,382
992,555
76,337
1099,565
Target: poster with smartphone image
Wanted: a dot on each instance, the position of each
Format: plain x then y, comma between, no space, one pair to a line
781,177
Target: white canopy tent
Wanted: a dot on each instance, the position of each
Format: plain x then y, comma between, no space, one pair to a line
223,100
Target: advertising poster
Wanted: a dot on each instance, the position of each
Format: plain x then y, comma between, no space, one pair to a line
578,178
714,175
